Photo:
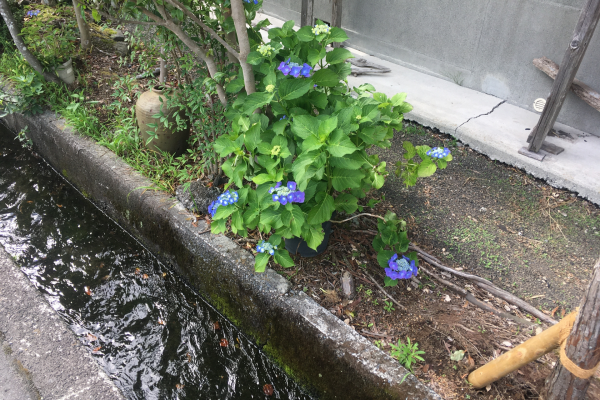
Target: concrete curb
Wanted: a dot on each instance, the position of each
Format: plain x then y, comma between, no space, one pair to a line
315,347
46,358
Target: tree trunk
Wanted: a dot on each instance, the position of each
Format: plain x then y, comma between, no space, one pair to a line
18,40
231,39
239,19
85,40
583,347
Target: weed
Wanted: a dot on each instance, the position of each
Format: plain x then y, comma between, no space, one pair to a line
407,353
388,306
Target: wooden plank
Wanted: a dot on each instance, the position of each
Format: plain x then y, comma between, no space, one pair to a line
588,19
536,156
582,348
586,93
336,17
306,13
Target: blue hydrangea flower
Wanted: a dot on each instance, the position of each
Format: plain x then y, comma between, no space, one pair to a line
438,152
401,268
295,69
248,1
33,13
266,247
287,194
224,199
282,118
320,29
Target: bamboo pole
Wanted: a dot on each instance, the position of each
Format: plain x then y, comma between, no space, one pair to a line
523,354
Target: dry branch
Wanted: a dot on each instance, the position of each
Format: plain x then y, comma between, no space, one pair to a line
586,93
488,286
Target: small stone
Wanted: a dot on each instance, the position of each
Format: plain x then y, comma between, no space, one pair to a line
348,285
122,48
118,37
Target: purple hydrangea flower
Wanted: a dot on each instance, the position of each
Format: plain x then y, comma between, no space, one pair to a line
305,71
266,247
33,13
438,152
294,69
284,68
248,1
402,268
287,194
224,199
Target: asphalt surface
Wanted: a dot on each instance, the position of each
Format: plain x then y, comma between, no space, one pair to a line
40,357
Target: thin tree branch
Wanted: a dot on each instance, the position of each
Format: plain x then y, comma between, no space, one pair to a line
383,291
127,21
198,21
359,215
239,20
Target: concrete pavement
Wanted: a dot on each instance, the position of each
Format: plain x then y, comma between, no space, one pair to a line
40,357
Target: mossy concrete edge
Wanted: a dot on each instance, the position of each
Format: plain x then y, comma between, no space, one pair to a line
315,346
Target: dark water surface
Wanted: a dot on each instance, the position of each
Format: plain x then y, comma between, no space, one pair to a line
149,330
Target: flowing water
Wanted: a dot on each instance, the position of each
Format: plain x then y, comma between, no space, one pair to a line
153,334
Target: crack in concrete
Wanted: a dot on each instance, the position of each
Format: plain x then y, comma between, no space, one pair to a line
480,115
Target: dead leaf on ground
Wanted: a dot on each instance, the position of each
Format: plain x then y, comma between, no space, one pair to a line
161,322
137,271
87,290
145,276
179,386
216,325
224,342
268,389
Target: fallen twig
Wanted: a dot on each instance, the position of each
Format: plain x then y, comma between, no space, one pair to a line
384,292
471,299
486,285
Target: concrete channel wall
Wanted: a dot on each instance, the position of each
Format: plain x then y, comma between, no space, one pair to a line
313,345
485,45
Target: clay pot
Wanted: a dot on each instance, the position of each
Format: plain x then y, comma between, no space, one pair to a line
65,72
150,104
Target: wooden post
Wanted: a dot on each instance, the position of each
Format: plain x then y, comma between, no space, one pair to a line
336,17
570,64
306,14
583,347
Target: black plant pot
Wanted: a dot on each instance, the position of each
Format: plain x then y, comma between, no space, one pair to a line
297,245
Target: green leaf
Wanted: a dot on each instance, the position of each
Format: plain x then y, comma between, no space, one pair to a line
262,178
254,58
260,262
305,34
256,100
383,257
223,212
288,27
293,88
322,211
337,35
410,150
327,126
350,161
343,179
404,108
389,282
96,15
314,56
398,99
378,181
282,257
313,235
340,144
224,146
346,202
326,77
235,85
252,137
305,125
426,168
318,99
338,55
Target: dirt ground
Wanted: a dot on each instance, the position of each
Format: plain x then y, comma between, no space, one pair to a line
478,215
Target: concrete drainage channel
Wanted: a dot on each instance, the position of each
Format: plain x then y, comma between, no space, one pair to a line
312,344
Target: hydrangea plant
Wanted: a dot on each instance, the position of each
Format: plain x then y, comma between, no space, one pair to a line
299,146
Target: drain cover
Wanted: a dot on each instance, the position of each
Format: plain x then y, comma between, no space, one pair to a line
538,104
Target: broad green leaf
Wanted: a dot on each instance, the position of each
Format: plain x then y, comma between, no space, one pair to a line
288,27
338,55
254,58
256,100
326,127
337,35
225,146
318,99
262,178
378,181
314,56
293,88
239,172
297,220
322,211
235,85
325,77
282,257
343,179
404,108
305,125
340,144
350,161
96,15
426,169
252,137
389,282
313,235
260,262
270,79
410,150
251,215
398,99
346,202
442,164
383,257
305,34
223,212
